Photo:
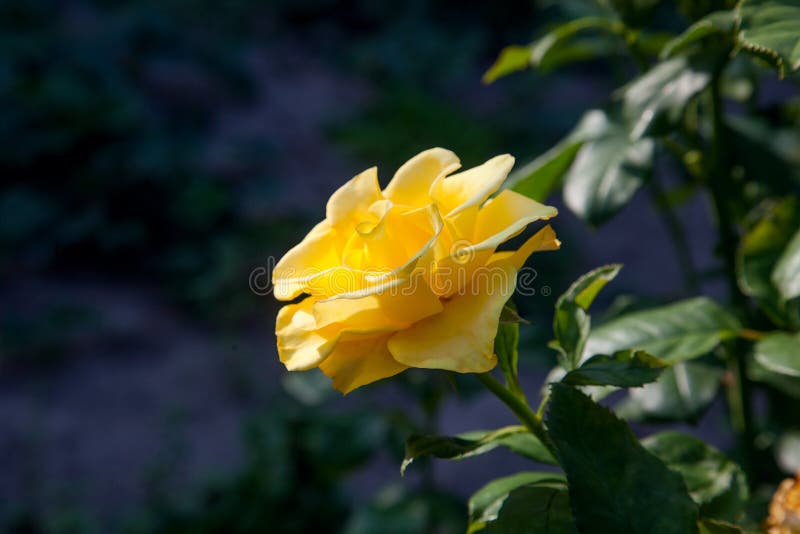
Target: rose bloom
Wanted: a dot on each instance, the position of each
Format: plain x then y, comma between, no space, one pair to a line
784,510
408,276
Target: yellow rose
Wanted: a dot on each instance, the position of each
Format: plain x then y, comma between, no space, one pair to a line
408,276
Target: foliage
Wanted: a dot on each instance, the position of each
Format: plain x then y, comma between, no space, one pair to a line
672,360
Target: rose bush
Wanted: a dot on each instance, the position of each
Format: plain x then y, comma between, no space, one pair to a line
407,276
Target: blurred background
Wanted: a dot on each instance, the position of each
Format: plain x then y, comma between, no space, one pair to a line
154,153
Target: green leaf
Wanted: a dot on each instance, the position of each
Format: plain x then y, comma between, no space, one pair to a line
675,332
607,171
552,49
571,323
771,30
716,25
533,509
786,275
512,58
780,353
497,503
759,251
657,100
615,485
786,384
550,44
682,393
541,176
627,368
584,290
715,483
506,348
516,438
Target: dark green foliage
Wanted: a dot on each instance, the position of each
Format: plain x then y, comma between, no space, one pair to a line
715,483
629,368
615,485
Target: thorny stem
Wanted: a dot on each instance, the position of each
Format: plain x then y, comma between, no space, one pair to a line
739,401
677,235
527,417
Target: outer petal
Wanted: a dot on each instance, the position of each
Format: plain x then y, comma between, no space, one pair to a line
544,239
301,345
396,307
471,187
503,216
350,204
315,254
461,338
358,362
413,179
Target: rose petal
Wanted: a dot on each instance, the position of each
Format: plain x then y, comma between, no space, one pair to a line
472,187
395,307
505,215
350,204
314,255
544,239
413,179
301,345
358,362
461,338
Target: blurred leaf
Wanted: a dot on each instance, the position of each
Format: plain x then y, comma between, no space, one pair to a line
716,484
571,323
786,275
771,29
550,50
395,510
516,438
787,452
541,176
511,59
780,353
615,485
786,384
627,368
635,13
769,156
607,171
759,250
656,101
310,387
675,332
488,503
710,526
682,393
717,24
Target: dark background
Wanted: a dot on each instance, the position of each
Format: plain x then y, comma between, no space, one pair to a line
154,153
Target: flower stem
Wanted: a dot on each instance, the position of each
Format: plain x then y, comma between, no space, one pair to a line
527,417
739,402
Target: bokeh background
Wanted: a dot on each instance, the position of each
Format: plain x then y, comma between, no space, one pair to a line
154,153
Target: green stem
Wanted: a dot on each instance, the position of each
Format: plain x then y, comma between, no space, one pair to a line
739,401
677,235
527,417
